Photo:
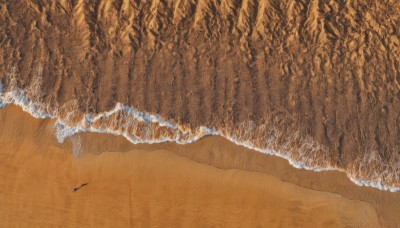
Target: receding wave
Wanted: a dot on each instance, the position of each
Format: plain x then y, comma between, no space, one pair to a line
140,127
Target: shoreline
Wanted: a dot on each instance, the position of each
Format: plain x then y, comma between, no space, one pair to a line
214,151
18,98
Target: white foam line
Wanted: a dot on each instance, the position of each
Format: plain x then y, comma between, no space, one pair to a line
372,184
63,130
18,97
292,162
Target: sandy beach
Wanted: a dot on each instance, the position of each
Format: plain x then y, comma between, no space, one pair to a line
168,185
141,107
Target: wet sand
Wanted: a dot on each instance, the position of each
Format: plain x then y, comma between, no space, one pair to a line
205,184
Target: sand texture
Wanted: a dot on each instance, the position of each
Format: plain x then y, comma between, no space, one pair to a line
317,81
148,186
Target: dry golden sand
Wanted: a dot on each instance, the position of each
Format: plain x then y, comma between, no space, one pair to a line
149,185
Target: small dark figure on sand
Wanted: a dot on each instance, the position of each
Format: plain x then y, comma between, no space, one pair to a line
76,189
